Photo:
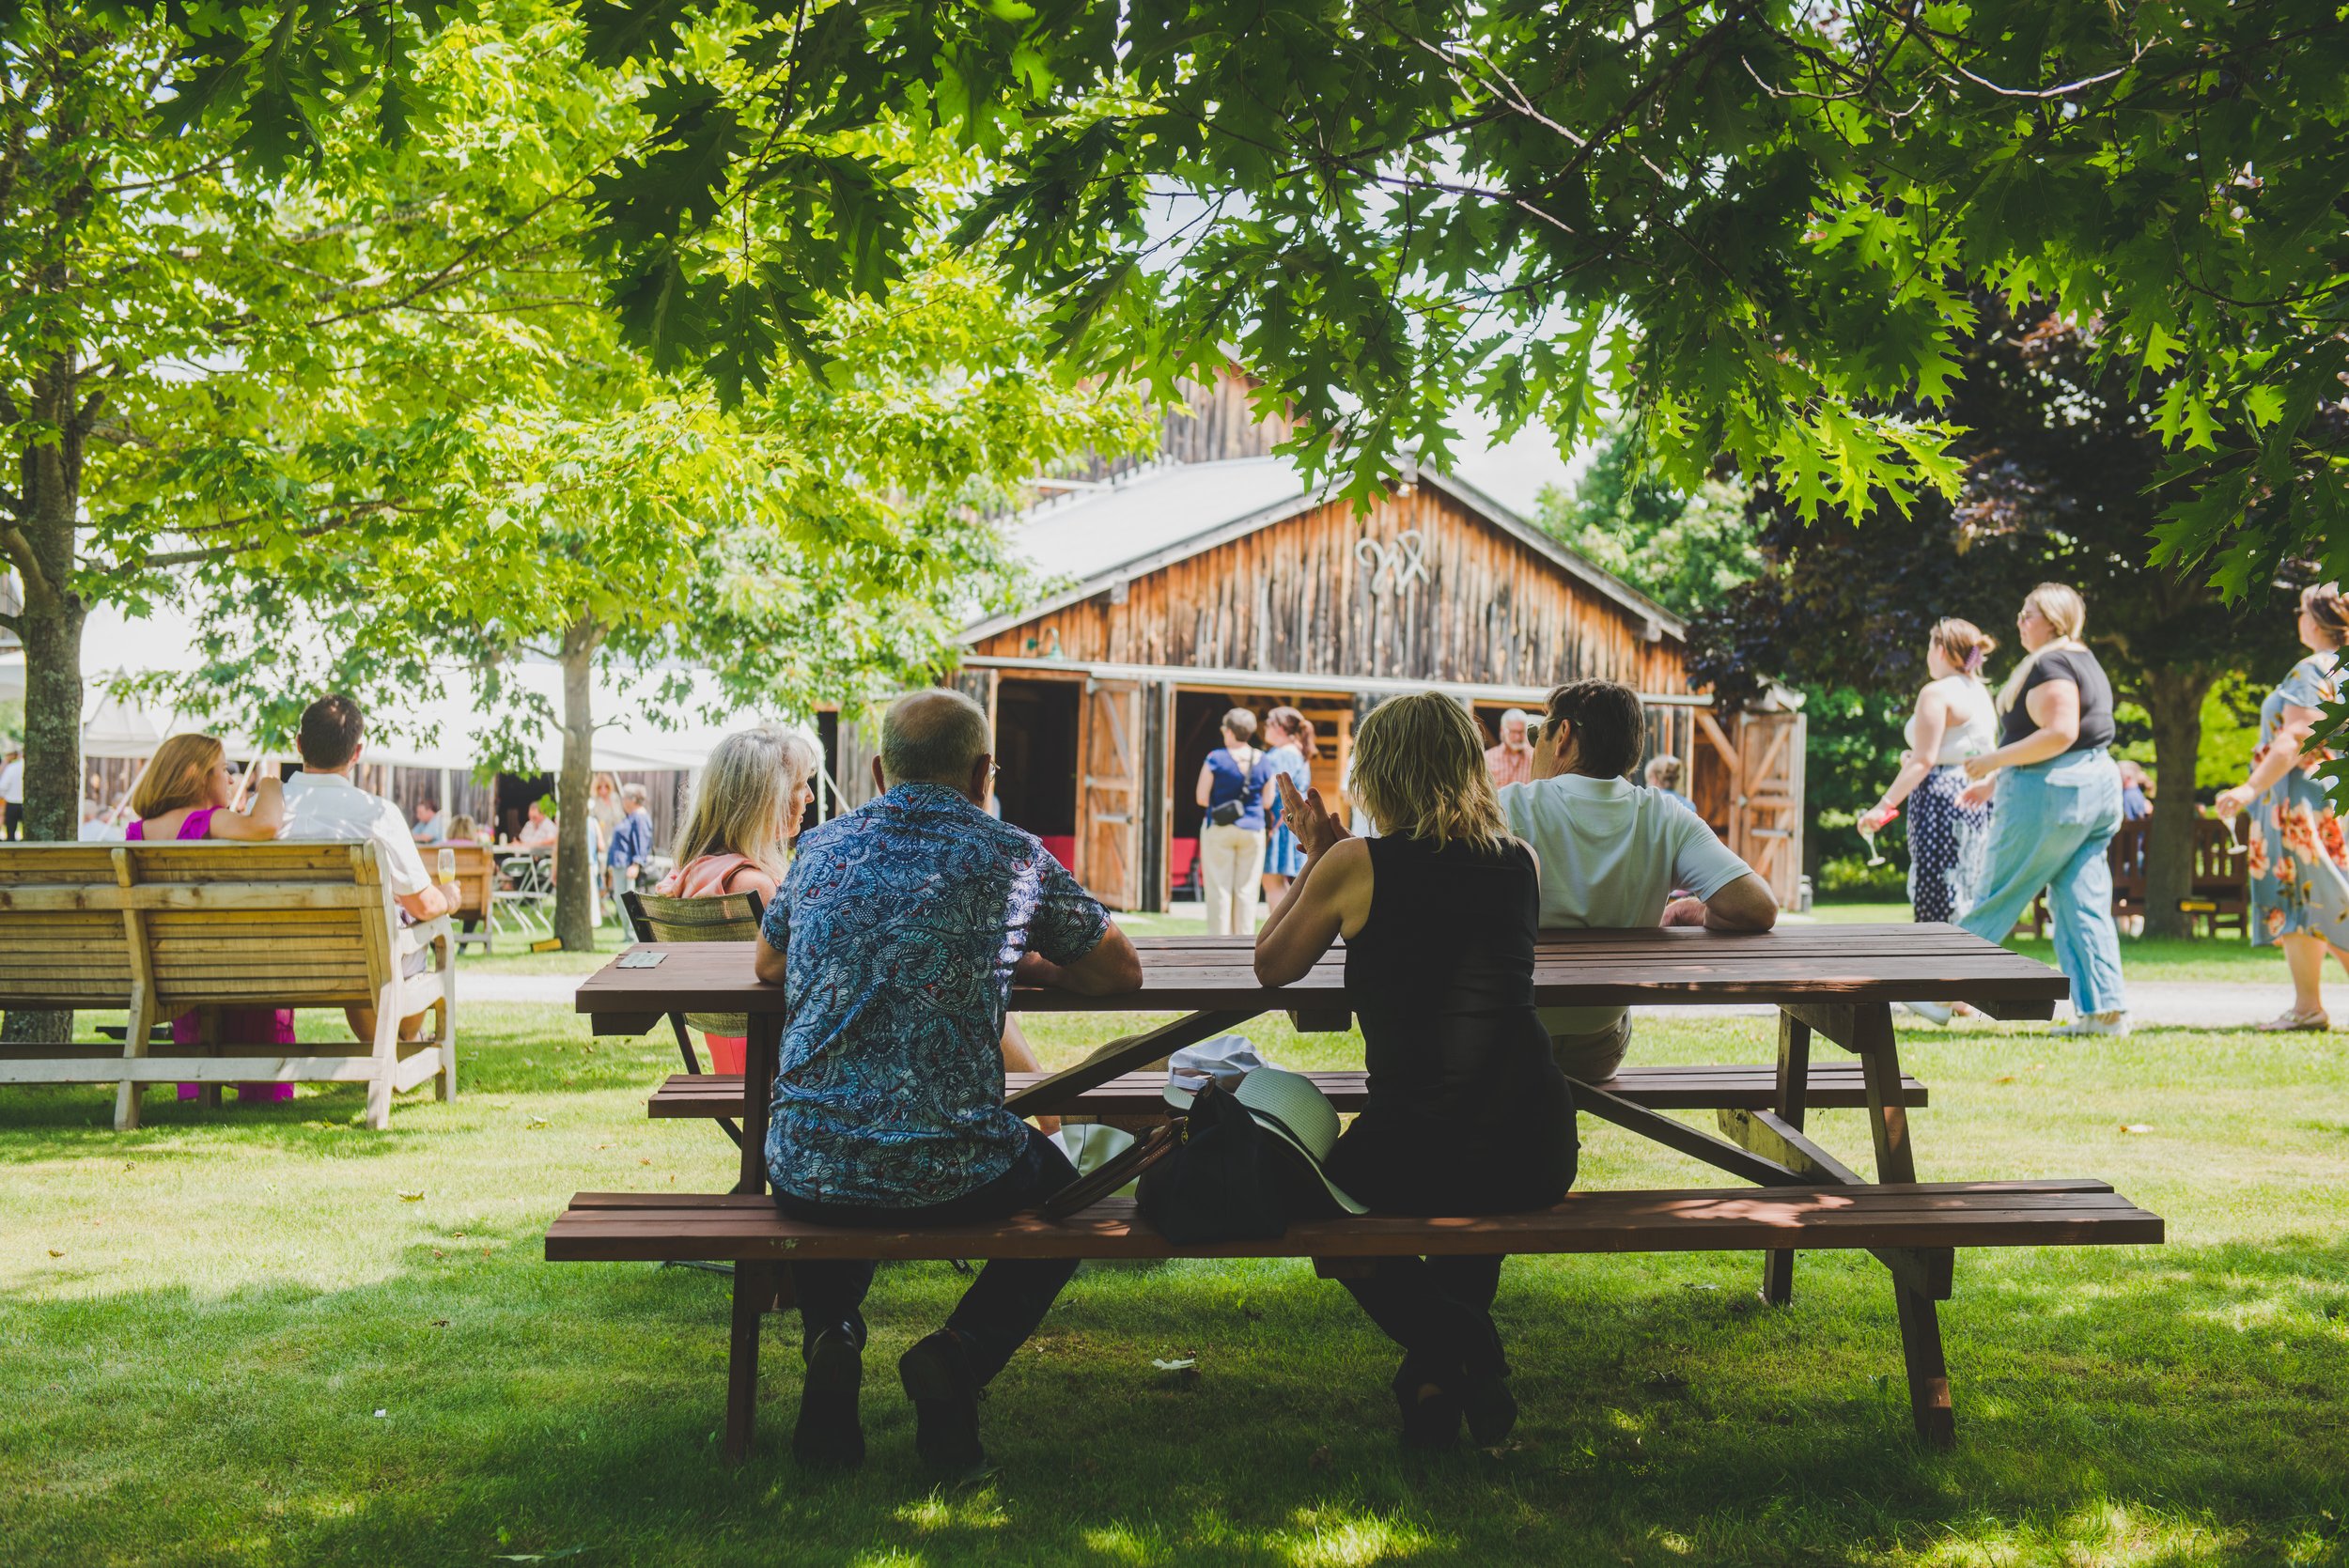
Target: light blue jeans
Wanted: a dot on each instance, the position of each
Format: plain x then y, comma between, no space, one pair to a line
2050,825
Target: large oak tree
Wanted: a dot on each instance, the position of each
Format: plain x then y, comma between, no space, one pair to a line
2060,466
1760,222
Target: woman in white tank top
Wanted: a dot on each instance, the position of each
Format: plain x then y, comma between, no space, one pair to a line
1955,719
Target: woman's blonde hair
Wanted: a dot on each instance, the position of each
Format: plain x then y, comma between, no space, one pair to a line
743,805
178,774
2060,606
1419,771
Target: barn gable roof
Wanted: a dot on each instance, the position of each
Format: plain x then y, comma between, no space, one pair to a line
1150,520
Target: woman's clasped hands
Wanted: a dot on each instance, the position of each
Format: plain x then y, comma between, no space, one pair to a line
1315,824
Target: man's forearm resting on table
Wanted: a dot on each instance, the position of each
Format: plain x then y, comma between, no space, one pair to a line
766,962
1113,966
1745,905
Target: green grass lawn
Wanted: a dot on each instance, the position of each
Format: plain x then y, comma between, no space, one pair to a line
270,1336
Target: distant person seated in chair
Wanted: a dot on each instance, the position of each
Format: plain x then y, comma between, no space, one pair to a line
1612,853
464,830
429,829
747,809
896,938
323,802
537,828
189,791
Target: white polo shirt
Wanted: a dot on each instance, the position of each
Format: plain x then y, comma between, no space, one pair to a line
330,806
1611,853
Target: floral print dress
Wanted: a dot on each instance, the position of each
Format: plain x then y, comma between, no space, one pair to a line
2299,867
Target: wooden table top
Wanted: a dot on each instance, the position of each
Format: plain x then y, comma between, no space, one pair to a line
1800,963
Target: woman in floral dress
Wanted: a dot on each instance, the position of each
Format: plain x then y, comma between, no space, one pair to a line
2299,868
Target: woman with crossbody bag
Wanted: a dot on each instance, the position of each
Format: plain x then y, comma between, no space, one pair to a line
1231,842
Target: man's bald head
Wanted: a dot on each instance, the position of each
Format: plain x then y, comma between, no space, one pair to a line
933,737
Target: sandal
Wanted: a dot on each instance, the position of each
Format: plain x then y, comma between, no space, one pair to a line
2314,1021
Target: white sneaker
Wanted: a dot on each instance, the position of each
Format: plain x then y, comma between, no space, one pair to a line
1932,1011
2115,1024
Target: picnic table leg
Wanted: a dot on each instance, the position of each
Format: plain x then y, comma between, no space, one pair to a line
1921,1321
760,1053
754,1292
1794,1083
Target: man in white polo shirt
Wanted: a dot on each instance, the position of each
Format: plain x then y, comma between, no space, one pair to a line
1612,852
323,802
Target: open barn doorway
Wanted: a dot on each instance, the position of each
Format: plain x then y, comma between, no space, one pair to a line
1199,730
1036,747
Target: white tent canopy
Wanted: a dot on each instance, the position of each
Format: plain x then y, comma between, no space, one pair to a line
443,728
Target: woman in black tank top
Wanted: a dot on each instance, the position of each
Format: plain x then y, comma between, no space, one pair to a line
1468,1112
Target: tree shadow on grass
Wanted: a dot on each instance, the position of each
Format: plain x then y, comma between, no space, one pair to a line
2175,1406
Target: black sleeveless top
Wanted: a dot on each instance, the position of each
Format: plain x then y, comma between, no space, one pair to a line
1466,1113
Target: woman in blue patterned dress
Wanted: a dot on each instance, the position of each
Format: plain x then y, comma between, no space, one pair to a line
1290,736
2299,867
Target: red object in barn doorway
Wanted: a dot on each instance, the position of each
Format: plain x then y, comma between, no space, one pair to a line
1062,848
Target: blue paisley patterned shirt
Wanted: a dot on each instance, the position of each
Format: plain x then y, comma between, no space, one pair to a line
899,924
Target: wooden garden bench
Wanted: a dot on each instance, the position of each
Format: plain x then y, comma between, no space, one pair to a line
156,930
1924,1222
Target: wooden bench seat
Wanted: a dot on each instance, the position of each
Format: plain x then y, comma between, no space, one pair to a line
1841,1085
1926,1220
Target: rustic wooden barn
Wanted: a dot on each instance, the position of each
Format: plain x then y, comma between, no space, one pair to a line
1178,590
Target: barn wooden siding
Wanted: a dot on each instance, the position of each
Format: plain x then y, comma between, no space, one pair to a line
1298,597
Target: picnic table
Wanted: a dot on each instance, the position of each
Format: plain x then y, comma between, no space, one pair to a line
1836,983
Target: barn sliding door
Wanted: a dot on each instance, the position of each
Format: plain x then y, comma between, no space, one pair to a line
1768,818
1109,800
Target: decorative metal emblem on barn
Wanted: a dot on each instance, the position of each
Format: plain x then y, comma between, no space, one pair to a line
1395,569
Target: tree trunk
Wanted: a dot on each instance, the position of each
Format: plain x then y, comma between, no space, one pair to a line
2173,701
52,722
49,626
574,907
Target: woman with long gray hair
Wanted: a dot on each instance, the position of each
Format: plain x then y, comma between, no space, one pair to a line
746,810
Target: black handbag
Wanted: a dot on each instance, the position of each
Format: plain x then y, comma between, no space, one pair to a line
1111,1174
1225,815
1229,1179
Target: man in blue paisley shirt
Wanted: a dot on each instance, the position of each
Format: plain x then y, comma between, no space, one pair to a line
896,938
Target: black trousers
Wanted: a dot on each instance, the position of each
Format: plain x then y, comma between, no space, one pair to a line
1439,1308
1003,1304
12,820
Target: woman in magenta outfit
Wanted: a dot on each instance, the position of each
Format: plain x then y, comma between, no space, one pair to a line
185,794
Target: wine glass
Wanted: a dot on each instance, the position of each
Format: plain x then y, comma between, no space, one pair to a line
1868,831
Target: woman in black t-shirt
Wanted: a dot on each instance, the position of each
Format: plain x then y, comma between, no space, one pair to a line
1467,1111
2058,805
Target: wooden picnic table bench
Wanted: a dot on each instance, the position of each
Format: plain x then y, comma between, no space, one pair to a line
1142,1097
1836,983
160,929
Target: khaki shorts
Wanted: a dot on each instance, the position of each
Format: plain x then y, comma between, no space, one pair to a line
1595,1056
